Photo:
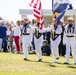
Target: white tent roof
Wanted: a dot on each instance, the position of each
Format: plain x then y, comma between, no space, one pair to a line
45,12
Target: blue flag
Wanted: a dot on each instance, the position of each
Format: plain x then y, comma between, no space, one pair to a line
59,7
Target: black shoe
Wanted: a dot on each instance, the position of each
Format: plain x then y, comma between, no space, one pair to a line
26,59
57,58
39,60
66,63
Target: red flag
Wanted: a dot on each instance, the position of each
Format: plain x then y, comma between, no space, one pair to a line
36,4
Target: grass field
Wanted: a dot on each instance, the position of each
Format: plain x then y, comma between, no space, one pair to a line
13,64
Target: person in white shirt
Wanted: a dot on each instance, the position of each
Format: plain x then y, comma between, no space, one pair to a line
26,37
16,33
70,33
55,40
38,39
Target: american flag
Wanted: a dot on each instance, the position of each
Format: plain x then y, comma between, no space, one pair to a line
36,4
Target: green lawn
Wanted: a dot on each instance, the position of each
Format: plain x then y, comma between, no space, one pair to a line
13,64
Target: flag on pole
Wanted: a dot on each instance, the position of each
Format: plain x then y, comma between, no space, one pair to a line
36,4
59,7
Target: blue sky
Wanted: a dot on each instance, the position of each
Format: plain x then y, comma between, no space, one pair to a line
9,9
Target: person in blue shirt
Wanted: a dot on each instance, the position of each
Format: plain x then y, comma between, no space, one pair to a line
46,49
3,30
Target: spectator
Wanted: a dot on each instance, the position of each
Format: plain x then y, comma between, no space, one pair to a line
3,38
46,49
10,40
17,32
62,48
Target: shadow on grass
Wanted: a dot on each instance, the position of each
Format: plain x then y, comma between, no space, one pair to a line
40,61
49,63
59,63
63,63
52,65
73,67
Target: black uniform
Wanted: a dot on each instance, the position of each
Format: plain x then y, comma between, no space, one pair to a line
62,48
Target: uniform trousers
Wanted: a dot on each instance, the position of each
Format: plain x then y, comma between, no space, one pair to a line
38,44
26,41
54,47
70,46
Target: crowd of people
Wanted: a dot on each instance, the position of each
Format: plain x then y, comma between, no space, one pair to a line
26,37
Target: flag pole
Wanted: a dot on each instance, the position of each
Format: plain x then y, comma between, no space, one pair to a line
52,17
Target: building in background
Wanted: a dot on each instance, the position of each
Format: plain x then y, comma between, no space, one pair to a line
48,15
